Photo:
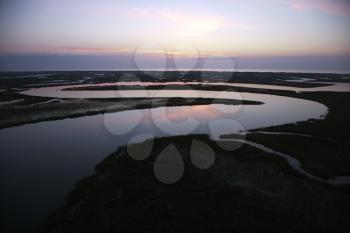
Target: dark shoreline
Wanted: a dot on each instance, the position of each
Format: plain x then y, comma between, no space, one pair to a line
246,190
101,106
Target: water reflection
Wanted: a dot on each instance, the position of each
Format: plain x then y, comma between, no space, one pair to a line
57,92
41,162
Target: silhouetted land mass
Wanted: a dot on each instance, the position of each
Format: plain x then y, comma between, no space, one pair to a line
36,109
244,191
15,79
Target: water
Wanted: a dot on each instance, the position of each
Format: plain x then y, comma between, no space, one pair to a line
296,165
41,162
59,92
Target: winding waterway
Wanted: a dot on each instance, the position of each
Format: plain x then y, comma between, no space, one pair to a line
59,92
41,162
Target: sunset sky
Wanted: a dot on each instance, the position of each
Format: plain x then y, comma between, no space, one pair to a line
100,29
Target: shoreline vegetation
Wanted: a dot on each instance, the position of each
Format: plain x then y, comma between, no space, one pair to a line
253,190
175,87
32,111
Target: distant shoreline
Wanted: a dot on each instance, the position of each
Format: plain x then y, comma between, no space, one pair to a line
340,72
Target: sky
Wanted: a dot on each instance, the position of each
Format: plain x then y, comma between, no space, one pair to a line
144,34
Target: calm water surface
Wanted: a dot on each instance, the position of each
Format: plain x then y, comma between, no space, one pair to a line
40,163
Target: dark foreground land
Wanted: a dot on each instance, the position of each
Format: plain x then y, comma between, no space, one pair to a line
244,191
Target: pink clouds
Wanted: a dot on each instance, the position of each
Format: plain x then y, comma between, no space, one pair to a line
335,7
7,48
188,24
181,23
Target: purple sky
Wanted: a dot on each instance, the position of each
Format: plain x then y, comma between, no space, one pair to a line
106,34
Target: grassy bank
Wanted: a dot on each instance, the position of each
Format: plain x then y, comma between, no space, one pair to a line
36,109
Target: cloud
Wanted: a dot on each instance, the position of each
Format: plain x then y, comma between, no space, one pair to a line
30,49
334,7
181,23
189,24
193,24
